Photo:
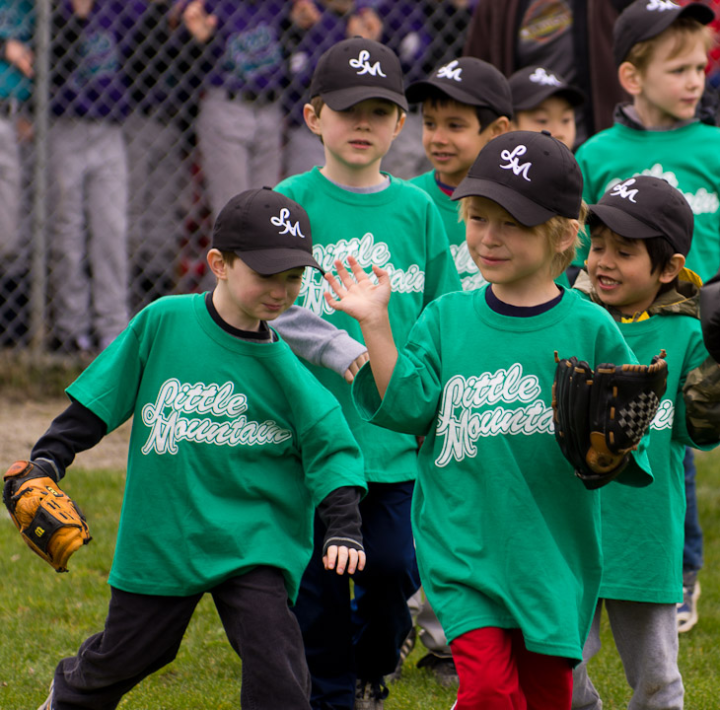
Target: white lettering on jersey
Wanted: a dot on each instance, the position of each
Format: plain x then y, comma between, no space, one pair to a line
541,76
665,415
283,221
227,425
367,252
363,64
622,190
513,161
469,273
450,71
661,5
460,425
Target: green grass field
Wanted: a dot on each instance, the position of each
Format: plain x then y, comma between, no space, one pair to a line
45,616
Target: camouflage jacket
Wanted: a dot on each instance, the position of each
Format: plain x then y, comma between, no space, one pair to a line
701,391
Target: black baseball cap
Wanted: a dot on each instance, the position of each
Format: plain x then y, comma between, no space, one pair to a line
268,231
645,19
642,207
531,175
469,81
532,85
357,69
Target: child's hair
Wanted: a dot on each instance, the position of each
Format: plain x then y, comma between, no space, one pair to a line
684,29
317,104
485,115
555,228
229,257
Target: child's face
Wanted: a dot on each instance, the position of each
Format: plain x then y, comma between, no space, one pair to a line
451,138
670,87
518,258
621,272
252,297
356,140
555,115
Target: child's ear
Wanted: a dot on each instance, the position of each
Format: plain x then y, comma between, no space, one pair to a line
499,126
674,267
400,123
312,119
569,236
630,78
217,264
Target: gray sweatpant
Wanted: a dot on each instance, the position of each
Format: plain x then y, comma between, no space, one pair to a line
88,229
647,641
240,144
9,187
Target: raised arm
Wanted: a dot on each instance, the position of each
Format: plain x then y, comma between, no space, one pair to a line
367,302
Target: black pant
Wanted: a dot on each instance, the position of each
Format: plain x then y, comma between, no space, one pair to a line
143,633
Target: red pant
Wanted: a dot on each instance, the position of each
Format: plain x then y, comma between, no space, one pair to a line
497,672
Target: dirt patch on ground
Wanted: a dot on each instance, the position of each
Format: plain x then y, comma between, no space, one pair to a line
22,423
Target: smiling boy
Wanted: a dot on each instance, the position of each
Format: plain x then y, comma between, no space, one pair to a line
641,231
660,49
465,104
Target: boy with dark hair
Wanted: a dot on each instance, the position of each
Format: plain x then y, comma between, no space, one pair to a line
641,231
544,101
233,447
660,49
357,108
465,104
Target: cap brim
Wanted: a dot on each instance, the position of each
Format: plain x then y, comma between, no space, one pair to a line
702,13
528,213
274,261
574,97
345,98
417,92
621,222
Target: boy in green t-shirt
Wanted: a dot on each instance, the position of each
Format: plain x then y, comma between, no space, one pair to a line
641,231
508,539
465,104
357,108
233,446
660,49
544,101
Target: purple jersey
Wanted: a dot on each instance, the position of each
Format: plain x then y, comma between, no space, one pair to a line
89,55
247,49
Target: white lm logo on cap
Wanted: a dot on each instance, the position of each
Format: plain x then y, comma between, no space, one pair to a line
450,71
513,161
661,5
283,221
540,76
363,64
622,190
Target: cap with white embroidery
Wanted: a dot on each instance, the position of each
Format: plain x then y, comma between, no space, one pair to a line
531,175
645,19
268,231
467,80
357,69
532,85
644,206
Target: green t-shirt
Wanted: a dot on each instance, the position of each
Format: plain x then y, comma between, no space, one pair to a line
400,230
233,444
688,158
643,531
506,535
455,228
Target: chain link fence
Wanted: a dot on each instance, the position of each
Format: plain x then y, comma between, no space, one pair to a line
126,125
